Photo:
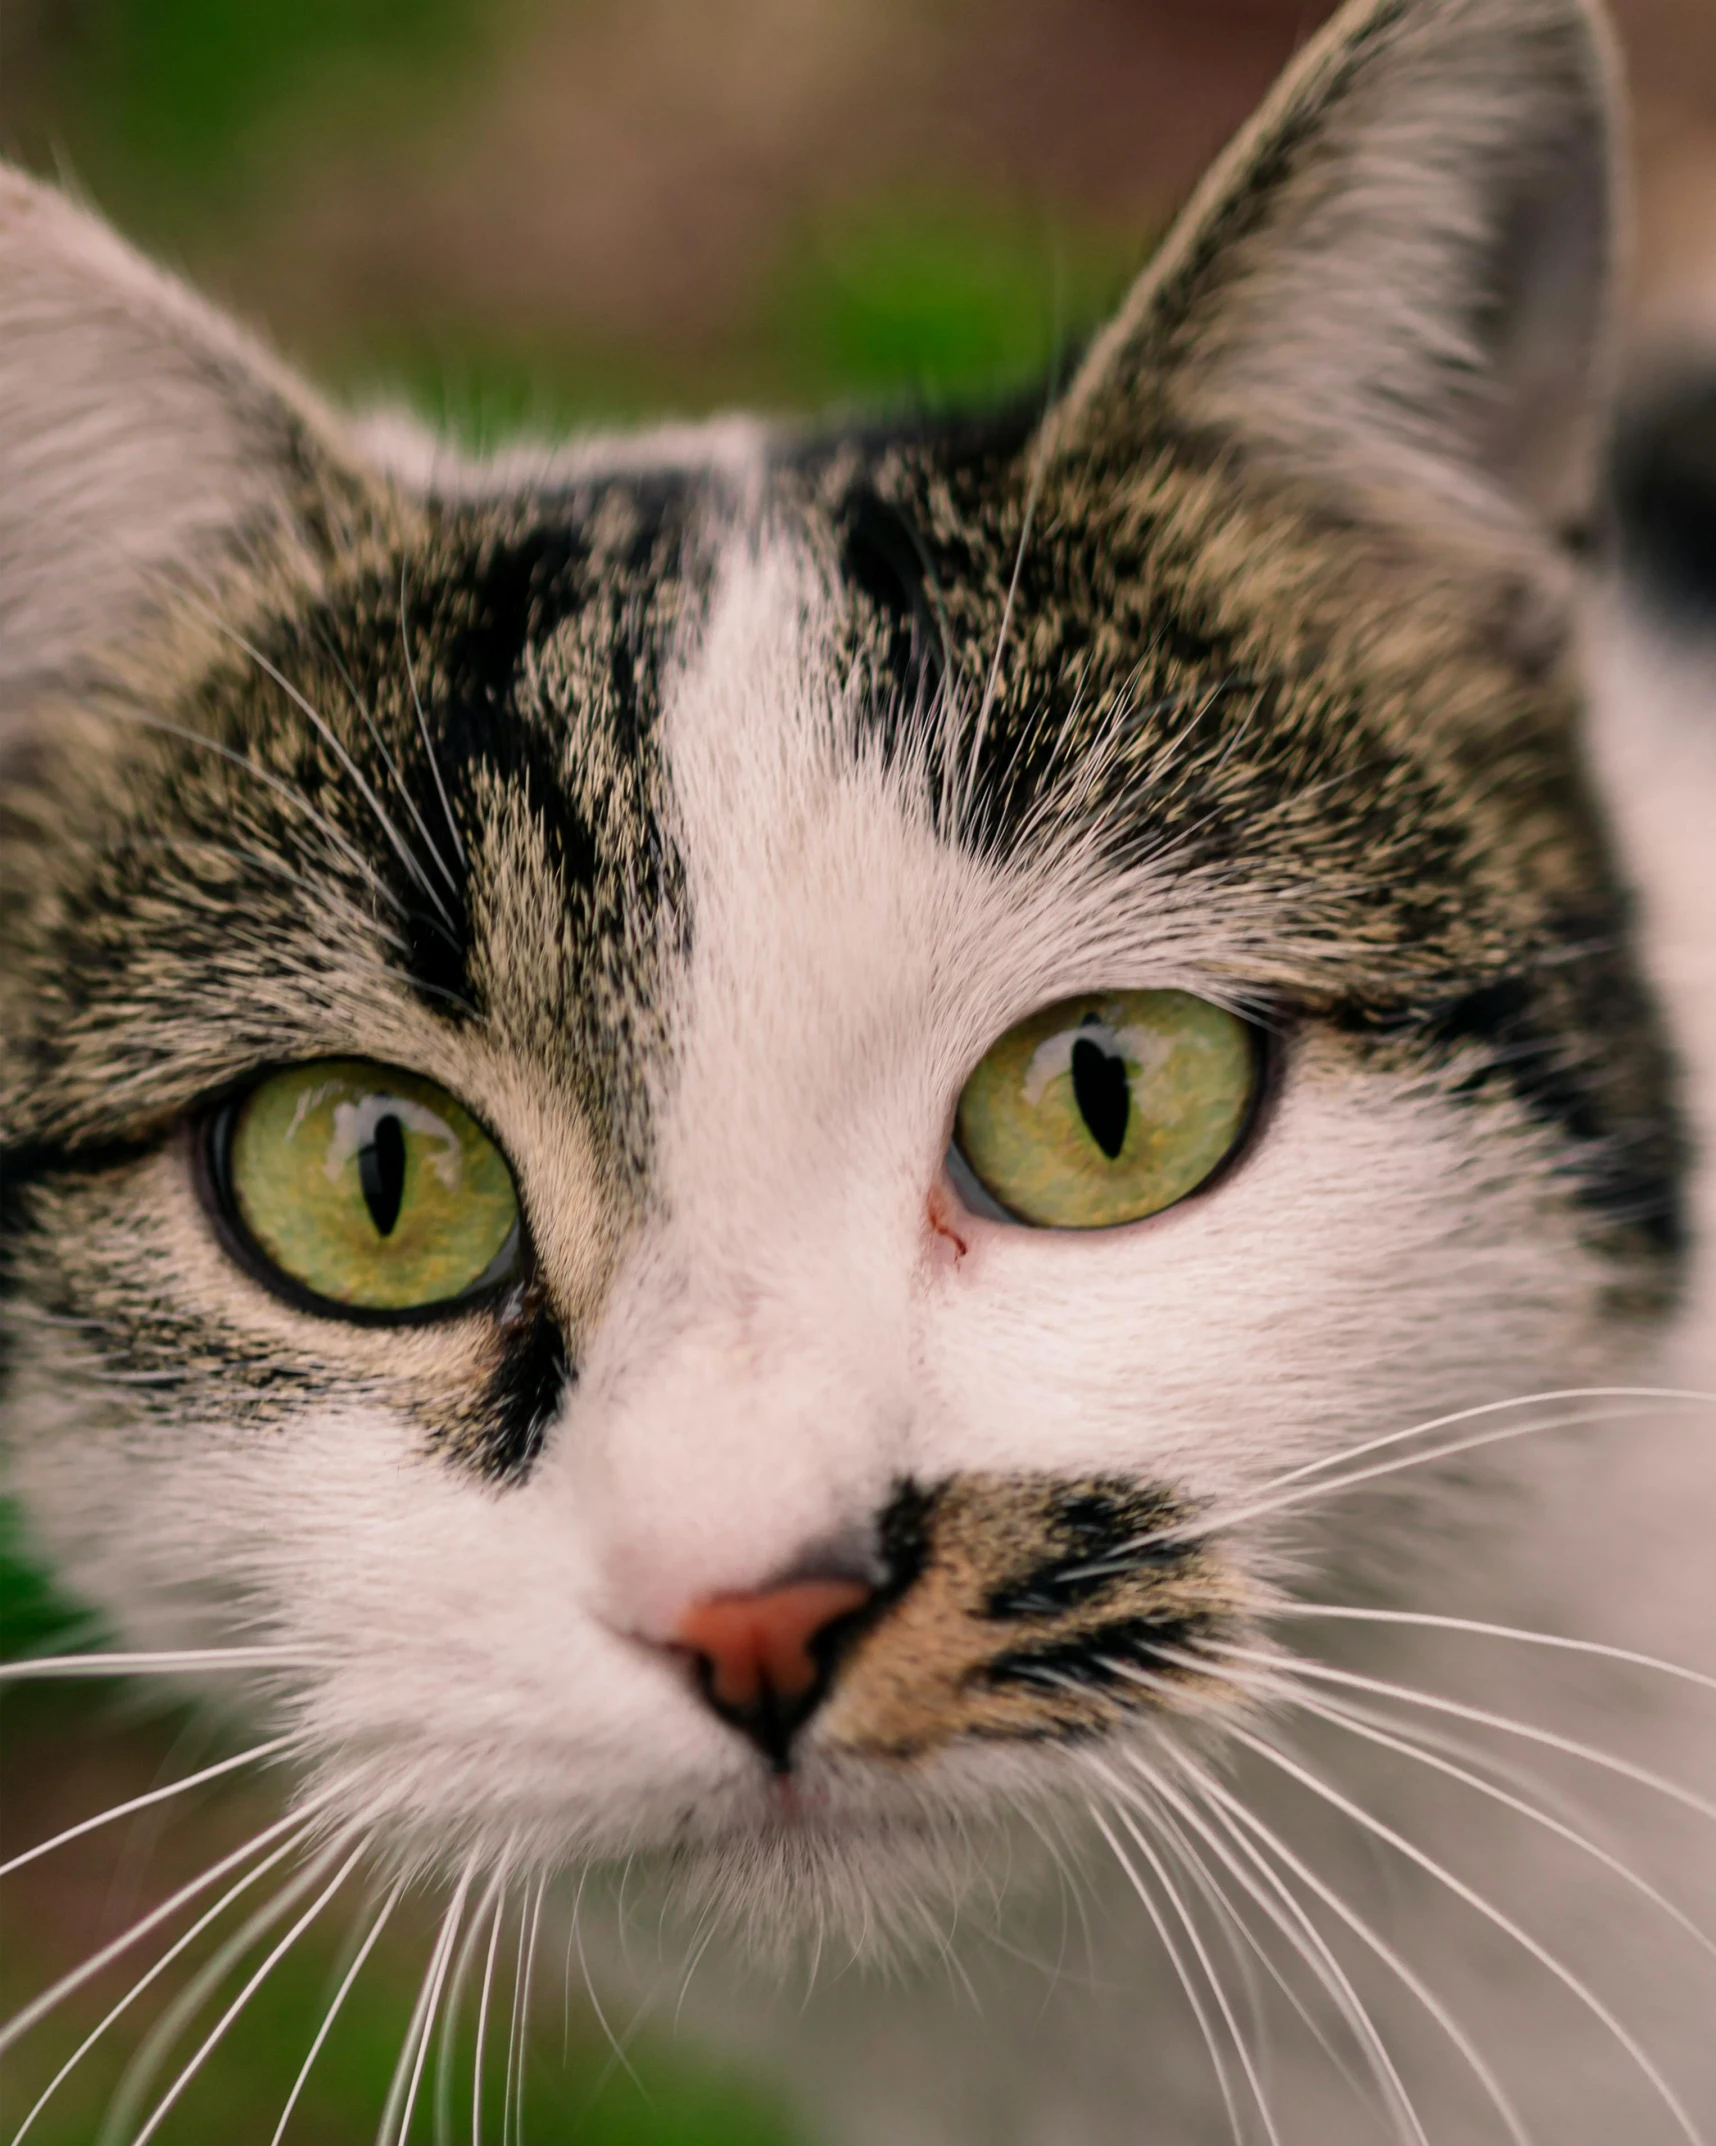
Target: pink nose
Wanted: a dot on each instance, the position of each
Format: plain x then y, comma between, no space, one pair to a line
763,1661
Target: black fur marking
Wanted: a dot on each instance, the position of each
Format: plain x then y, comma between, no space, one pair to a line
464,639
1099,1659
1099,1535
884,560
24,1168
33,1164
525,1392
902,1538
508,598
1632,1169
1053,1587
20,1169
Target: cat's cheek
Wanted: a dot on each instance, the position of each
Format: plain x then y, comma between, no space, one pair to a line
1210,1346
447,1668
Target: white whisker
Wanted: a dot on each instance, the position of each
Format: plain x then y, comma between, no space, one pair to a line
212,2039
331,738
255,1756
488,1904
361,709
524,2008
148,2057
329,898
151,1975
423,728
300,1823
512,2023
616,2043
704,1936
1555,1396
1596,1649
1195,1938
618,2061
1242,1820
1238,1939
1264,1505
1546,1959
497,1915
1286,1914
1266,1501
1551,1795
401,2101
1281,1670
334,2007
1071,1886
992,684
96,1664
1387,1735
293,796
1206,2026
1241,1933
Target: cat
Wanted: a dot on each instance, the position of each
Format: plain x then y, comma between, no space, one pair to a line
931,1185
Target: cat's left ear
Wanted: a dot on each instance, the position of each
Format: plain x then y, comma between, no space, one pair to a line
153,458
1397,284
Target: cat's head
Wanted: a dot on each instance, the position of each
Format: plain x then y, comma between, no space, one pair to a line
737,1124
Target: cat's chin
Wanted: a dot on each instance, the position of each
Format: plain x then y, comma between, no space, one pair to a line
877,1863
806,1890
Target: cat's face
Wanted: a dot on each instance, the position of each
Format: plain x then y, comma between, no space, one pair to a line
701,821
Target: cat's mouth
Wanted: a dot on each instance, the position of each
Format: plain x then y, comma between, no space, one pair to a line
1024,1614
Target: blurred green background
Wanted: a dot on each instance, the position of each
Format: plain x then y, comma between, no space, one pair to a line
540,214
519,212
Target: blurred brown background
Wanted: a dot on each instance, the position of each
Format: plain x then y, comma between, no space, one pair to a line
542,207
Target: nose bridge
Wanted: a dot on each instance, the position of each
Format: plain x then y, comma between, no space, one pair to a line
733,1449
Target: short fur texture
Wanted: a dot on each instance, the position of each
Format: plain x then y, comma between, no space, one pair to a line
699,809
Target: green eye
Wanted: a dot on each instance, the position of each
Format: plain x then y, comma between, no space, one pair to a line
1102,1110
370,1189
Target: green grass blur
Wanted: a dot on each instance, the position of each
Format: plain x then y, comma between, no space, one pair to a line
191,100
904,301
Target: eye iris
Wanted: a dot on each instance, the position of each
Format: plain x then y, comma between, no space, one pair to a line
1102,1088
373,1190
1100,1111
381,1173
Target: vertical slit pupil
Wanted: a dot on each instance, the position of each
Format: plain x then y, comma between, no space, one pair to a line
381,1173
1102,1089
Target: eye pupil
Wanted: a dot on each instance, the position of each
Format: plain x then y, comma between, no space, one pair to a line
381,1173
1102,1088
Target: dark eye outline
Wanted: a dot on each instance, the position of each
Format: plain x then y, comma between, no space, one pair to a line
211,1158
1268,1057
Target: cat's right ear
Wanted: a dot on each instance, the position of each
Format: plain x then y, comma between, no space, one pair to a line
147,448
1396,287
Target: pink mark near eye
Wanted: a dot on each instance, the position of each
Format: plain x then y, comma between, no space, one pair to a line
939,1212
